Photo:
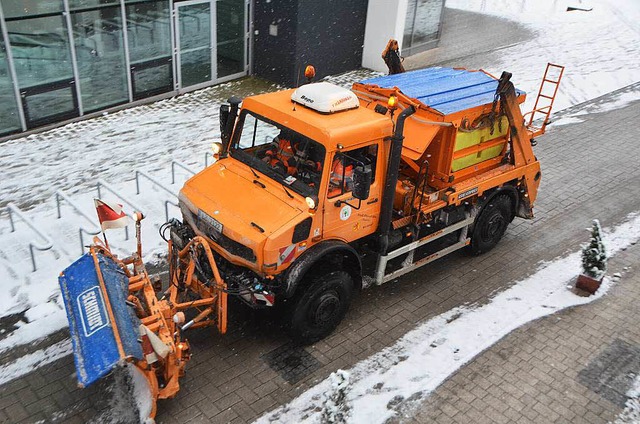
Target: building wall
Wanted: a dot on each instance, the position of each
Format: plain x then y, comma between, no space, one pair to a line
325,33
331,34
275,24
385,20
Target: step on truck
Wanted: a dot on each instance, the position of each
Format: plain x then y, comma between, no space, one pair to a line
316,193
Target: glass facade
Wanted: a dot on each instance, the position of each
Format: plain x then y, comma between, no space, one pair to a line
73,57
422,26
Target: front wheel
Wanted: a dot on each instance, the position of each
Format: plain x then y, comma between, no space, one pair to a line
319,308
491,224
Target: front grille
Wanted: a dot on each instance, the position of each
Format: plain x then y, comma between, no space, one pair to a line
228,244
235,248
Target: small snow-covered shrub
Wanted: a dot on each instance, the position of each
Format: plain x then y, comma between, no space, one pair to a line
336,408
594,255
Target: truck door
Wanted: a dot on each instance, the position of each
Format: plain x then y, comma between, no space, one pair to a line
345,217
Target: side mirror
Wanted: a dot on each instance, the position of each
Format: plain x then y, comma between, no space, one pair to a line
224,118
361,183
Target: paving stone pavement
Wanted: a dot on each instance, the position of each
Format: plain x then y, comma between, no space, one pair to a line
571,367
589,171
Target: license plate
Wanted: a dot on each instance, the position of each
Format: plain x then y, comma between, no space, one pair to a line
211,222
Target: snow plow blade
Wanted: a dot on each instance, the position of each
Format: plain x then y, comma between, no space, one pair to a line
104,330
118,315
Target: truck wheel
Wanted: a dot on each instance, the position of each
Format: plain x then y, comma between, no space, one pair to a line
320,307
491,224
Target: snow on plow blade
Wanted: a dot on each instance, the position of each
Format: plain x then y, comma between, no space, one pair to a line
104,330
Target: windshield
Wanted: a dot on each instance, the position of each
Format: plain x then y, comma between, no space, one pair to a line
288,157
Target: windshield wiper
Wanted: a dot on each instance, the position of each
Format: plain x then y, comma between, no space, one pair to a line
286,191
255,174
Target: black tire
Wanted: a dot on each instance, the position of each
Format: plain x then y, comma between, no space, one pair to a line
320,306
491,224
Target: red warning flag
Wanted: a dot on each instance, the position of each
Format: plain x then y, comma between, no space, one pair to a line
110,215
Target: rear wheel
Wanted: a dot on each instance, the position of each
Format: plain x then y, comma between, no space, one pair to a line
491,224
318,309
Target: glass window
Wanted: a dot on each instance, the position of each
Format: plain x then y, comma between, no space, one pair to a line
427,21
42,60
100,55
9,118
83,4
194,34
42,108
21,8
279,153
40,49
343,164
421,25
149,35
408,25
230,36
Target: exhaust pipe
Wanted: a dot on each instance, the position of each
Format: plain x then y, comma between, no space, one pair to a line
228,115
392,179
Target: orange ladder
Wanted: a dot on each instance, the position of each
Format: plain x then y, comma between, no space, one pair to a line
545,110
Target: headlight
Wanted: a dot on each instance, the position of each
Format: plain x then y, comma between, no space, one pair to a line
312,201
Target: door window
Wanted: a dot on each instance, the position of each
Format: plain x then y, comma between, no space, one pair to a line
341,177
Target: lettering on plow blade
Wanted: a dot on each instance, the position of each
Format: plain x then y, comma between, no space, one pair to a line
92,310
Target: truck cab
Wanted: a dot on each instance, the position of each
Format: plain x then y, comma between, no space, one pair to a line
286,180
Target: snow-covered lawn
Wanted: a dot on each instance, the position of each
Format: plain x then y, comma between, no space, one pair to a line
421,360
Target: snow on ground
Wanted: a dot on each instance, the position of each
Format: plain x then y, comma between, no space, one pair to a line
148,138
31,361
600,48
567,121
399,376
631,412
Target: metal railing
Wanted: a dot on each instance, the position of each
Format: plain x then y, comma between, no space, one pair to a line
82,230
208,155
180,165
48,244
102,184
159,185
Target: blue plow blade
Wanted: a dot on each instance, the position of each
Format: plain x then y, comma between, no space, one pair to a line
96,348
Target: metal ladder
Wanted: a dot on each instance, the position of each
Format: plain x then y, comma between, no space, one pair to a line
546,98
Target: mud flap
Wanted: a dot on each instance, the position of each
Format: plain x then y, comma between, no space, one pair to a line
104,329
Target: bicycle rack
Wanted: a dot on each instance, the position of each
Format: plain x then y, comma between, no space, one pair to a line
13,209
208,155
160,185
62,195
181,165
101,183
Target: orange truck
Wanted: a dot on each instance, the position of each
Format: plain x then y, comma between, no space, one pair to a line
320,191
316,193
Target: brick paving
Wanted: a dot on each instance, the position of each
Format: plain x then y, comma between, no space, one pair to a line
536,374
589,171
